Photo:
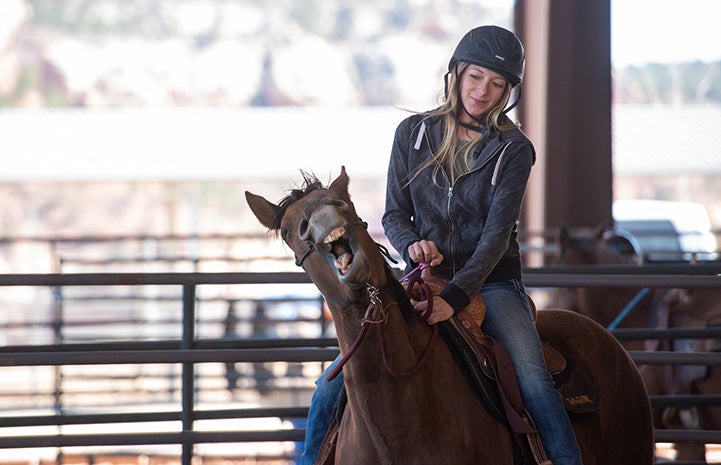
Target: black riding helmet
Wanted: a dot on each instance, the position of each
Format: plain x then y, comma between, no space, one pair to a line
495,48
492,47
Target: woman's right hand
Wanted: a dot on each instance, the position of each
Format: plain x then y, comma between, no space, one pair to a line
441,310
426,252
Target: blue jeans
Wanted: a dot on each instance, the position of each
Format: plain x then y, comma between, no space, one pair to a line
322,409
509,320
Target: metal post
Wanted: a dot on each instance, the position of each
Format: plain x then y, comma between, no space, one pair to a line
58,322
188,387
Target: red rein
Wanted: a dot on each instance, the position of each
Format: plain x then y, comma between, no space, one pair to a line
376,306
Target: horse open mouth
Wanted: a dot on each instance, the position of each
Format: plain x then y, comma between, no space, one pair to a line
341,249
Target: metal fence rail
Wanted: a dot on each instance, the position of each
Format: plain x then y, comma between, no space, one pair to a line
189,351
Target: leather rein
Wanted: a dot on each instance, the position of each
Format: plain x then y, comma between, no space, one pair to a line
377,313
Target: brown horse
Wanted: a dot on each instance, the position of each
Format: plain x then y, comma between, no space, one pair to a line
674,308
409,402
604,246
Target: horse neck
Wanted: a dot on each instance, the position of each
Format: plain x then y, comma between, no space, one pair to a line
335,295
380,406
405,342
388,416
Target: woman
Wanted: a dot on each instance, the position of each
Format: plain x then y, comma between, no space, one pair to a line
456,181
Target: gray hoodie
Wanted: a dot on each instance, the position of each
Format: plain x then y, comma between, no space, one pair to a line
473,223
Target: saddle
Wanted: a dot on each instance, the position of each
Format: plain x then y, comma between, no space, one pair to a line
482,358
490,372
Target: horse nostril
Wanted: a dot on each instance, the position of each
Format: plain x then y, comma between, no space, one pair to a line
303,229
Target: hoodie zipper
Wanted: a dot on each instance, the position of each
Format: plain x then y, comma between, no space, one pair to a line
451,242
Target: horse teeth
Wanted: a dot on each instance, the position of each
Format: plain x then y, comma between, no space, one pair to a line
334,235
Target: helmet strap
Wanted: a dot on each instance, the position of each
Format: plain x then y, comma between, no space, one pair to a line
515,102
445,84
485,130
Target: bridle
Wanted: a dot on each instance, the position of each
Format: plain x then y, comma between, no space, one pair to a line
310,248
377,313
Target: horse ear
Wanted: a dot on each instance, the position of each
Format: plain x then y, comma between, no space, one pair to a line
564,238
340,184
604,227
265,211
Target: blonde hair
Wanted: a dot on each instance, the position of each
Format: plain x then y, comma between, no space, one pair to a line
495,119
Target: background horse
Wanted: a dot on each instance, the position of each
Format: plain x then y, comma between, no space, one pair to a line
408,399
603,246
674,308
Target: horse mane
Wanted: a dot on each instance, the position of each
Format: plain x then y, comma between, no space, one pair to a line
310,184
399,294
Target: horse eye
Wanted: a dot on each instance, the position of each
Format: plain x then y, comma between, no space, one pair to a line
284,234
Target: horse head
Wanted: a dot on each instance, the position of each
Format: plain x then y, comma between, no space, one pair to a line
604,245
329,239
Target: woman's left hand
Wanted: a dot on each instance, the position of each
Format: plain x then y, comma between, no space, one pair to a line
424,251
441,310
